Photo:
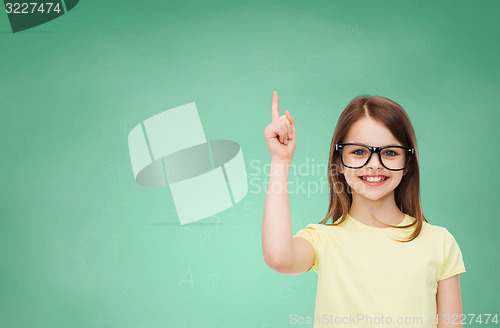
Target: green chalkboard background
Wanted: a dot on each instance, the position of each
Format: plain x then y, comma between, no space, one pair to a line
83,245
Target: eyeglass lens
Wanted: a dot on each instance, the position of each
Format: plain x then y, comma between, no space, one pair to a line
356,156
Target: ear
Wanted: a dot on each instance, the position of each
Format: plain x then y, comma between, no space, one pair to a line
407,168
339,166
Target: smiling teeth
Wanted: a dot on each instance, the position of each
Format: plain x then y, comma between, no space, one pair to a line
373,179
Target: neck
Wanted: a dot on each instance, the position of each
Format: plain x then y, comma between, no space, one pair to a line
383,209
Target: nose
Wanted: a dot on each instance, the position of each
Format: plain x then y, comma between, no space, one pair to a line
374,162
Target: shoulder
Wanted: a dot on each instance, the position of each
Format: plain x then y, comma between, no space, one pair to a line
315,227
321,227
438,233
435,229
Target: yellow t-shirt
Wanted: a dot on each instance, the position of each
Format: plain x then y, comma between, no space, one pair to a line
367,279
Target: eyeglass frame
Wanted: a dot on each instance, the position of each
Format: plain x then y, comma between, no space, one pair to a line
377,150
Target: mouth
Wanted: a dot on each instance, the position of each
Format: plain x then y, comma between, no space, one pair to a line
374,180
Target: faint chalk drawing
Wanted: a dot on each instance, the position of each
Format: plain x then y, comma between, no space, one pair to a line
213,283
149,324
287,292
269,66
114,288
187,279
95,241
207,238
97,323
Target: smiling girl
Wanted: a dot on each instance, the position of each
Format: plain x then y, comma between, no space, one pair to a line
380,262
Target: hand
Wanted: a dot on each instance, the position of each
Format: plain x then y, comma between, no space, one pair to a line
280,134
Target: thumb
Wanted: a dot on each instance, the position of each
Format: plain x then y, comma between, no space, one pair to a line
292,121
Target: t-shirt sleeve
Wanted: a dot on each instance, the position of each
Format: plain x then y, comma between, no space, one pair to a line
453,261
312,235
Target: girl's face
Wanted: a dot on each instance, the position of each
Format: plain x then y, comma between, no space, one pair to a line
370,132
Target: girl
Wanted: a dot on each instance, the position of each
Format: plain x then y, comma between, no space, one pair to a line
379,262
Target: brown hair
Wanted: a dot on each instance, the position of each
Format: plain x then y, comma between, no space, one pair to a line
407,193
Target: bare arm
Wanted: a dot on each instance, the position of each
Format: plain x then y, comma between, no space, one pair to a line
281,251
449,303
277,243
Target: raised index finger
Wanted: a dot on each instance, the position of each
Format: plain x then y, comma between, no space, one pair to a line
275,109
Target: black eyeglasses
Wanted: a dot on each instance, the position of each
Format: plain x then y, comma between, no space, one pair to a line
355,155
